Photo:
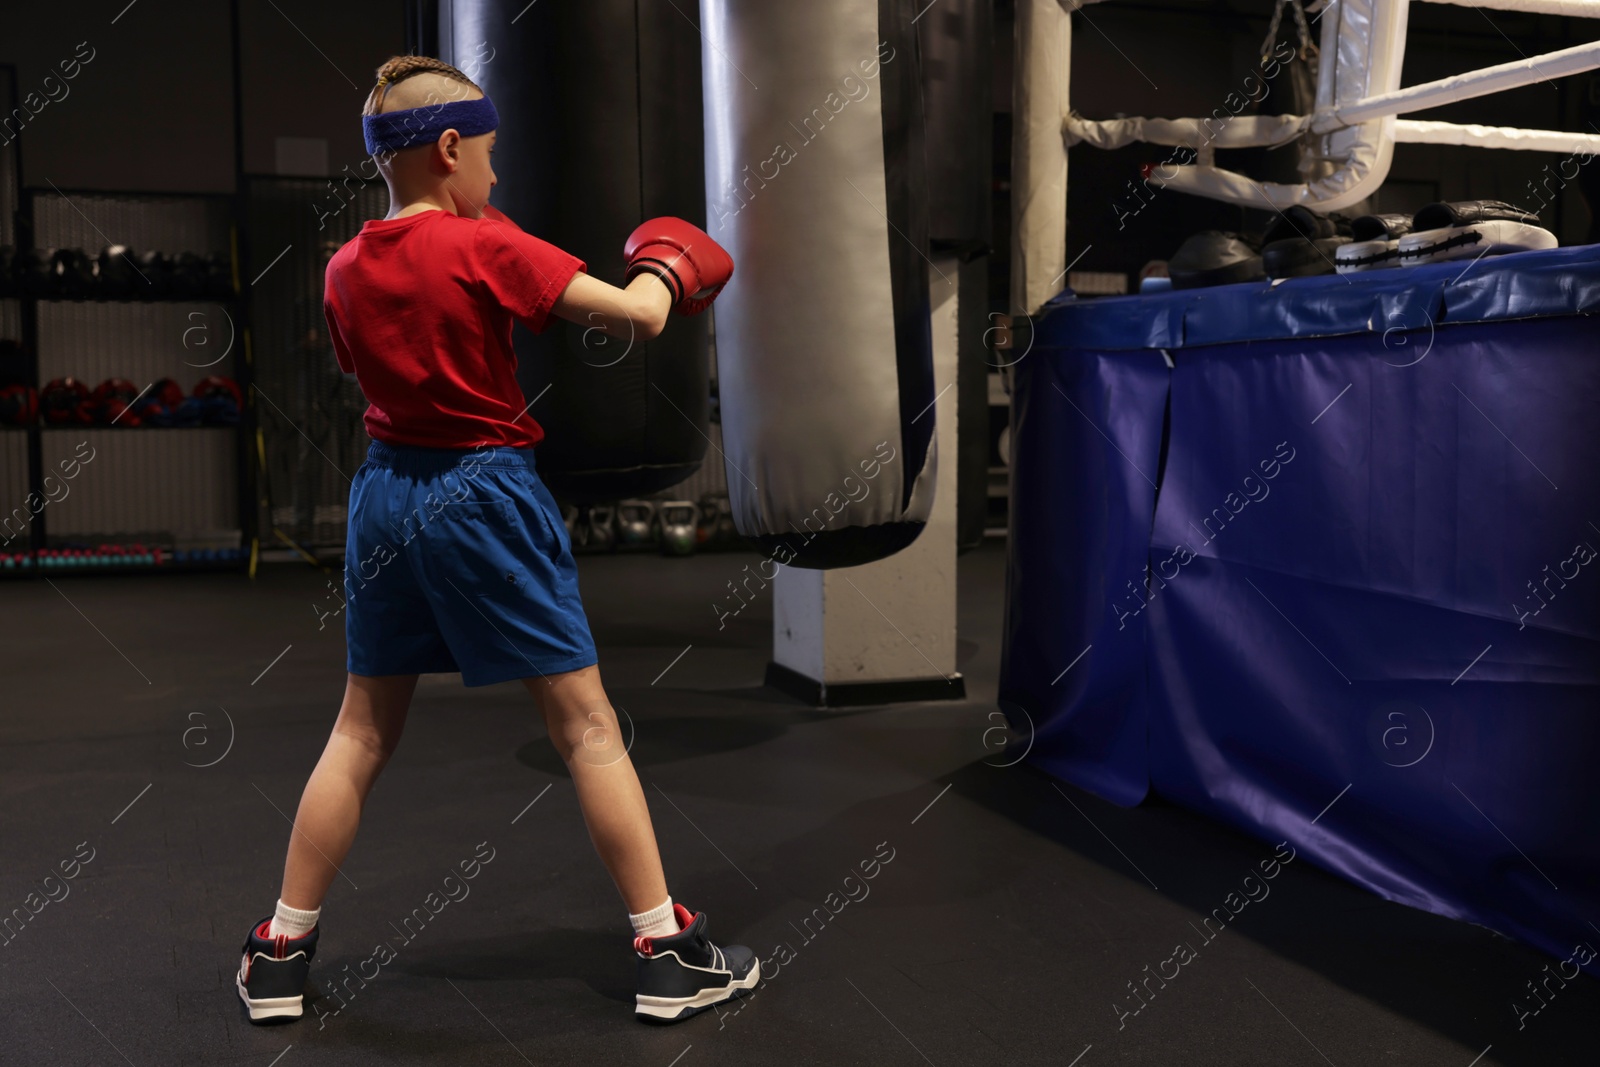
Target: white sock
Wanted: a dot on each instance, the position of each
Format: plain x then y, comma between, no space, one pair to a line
292,922
659,921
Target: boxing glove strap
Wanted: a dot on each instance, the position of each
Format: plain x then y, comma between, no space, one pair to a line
661,268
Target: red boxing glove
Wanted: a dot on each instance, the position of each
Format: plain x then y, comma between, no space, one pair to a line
684,257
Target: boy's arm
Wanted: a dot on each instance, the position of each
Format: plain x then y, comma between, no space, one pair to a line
639,311
671,264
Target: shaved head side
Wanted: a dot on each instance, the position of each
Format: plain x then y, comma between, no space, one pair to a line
406,82
427,90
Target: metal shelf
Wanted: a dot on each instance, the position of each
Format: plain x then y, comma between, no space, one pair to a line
193,492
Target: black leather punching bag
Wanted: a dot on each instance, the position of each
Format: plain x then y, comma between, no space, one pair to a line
957,40
600,129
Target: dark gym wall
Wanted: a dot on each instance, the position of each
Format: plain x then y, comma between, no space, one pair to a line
153,109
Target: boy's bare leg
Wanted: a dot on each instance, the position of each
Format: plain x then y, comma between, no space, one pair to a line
364,737
584,729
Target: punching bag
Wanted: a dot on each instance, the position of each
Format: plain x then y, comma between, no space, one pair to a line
600,129
957,46
815,183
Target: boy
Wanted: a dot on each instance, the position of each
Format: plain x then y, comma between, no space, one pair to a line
456,556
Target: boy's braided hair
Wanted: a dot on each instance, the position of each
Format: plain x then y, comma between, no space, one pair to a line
399,68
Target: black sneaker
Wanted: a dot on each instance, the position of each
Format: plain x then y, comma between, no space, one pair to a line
684,974
272,974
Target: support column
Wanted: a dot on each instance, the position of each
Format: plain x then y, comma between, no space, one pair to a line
1038,153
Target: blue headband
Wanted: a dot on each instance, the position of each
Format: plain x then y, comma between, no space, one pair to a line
395,130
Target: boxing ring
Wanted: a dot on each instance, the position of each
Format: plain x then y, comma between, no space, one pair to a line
1345,142
1318,560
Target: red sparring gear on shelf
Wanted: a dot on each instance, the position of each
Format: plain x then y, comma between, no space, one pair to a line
64,401
109,403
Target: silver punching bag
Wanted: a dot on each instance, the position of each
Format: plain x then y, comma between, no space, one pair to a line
600,129
815,184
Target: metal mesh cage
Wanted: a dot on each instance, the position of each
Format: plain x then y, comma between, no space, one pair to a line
144,221
309,413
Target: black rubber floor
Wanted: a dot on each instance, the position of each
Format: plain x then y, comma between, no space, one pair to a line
1006,920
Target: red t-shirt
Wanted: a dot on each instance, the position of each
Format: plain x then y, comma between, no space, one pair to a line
419,309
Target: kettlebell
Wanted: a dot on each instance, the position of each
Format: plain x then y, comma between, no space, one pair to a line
602,529
678,520
636,522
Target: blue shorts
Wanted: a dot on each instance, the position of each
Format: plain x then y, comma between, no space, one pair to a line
458,560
